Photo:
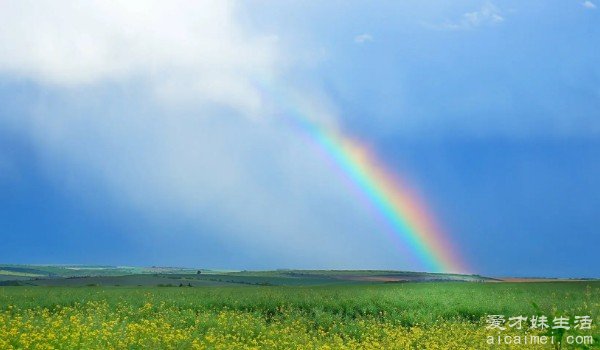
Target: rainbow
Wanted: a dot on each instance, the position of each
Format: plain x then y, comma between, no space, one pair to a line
403,211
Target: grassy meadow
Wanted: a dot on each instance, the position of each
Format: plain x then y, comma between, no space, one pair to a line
427,315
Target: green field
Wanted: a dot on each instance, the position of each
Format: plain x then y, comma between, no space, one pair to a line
66,275
431,315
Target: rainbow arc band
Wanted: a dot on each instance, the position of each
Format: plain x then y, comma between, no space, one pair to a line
402,209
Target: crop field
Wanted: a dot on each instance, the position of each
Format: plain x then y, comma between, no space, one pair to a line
428,315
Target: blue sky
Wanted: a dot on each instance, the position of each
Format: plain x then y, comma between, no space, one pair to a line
134,134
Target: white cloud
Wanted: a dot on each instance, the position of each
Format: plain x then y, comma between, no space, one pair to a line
363,38
194,50
489,14
588,4
258,181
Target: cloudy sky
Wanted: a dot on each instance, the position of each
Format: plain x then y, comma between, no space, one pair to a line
140,133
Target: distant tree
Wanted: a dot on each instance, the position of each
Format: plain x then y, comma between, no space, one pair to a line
198,272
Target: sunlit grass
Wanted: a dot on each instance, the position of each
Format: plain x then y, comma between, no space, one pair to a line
404,316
